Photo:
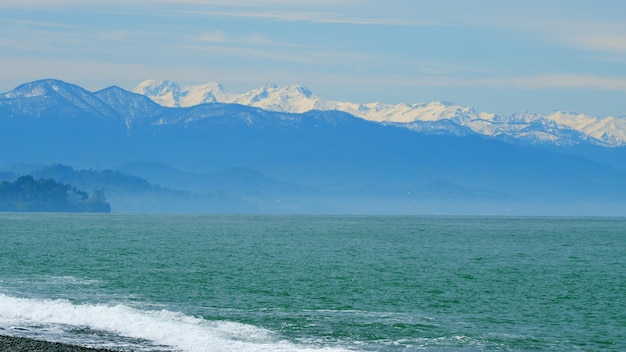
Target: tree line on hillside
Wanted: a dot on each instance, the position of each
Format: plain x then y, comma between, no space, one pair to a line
27,194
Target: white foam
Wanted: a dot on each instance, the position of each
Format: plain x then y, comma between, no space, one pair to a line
162,327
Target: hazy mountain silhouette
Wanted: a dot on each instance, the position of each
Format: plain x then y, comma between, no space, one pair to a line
322,161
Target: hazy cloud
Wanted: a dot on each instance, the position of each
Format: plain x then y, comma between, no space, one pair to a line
213,37
564,81
608,42
114,35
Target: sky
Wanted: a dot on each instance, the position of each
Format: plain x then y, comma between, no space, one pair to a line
497,56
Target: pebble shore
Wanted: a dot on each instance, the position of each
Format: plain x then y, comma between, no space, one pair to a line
21,344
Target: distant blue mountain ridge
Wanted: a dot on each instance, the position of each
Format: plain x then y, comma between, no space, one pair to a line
317,161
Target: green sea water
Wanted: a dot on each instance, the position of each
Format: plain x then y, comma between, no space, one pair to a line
300,283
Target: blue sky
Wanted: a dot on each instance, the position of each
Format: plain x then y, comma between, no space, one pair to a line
497,56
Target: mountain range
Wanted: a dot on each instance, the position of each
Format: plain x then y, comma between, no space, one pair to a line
233,157
558,128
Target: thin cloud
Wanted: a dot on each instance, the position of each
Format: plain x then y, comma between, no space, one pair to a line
42,24
607,42
306,16
259,39
114,35
542,81
255,39
213,37
234,3
234,51
340,12
562,81
590,35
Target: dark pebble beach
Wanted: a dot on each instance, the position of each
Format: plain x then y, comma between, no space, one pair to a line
15,344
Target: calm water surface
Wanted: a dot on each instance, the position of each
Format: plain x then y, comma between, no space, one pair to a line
307,283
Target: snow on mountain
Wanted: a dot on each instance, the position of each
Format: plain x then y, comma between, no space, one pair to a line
611,130
296,99
164,93
560,128
168,93
405,113
211,92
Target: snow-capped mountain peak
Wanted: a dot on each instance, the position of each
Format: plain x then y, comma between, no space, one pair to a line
166,93
561,128
211,92
294,98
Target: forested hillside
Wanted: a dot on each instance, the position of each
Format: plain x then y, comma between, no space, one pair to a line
28,194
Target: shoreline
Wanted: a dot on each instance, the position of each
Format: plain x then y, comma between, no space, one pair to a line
25,344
